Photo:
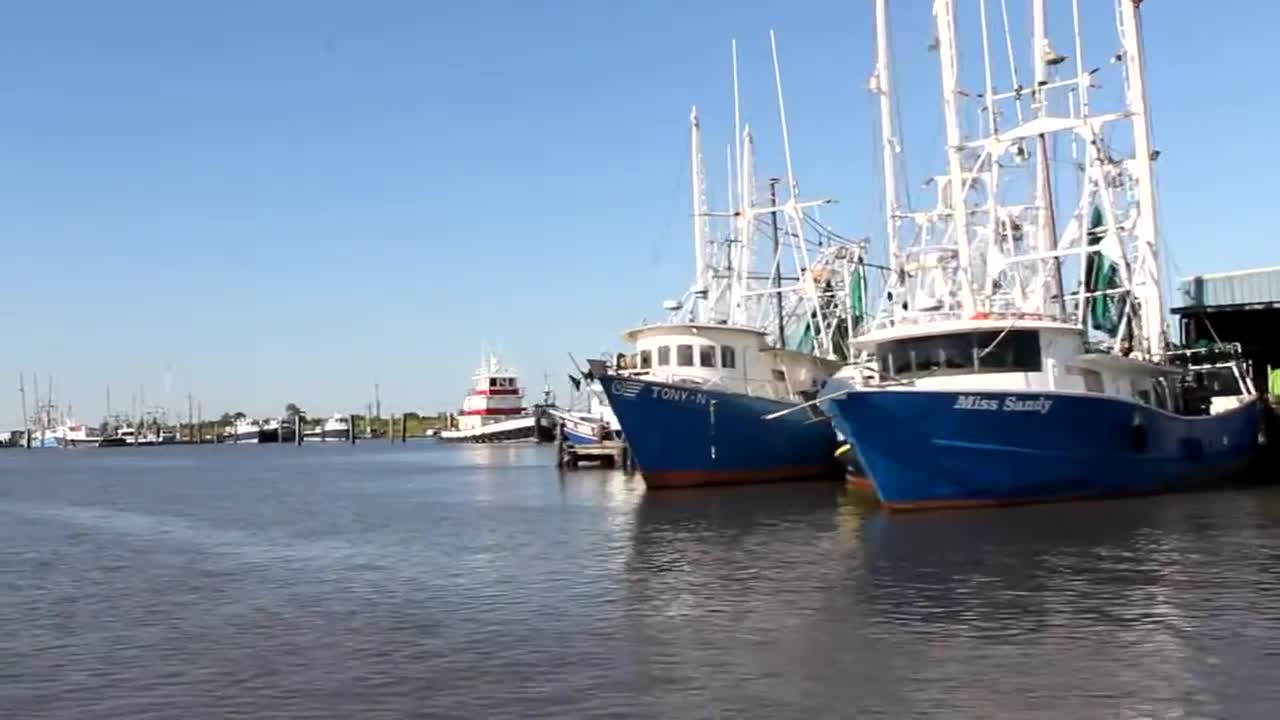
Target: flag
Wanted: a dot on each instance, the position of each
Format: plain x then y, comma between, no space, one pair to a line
577,384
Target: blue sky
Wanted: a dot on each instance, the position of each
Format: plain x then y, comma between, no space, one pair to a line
287,201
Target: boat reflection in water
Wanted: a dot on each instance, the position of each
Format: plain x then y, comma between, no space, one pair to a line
1124,593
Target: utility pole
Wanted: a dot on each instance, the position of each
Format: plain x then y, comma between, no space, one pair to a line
776,274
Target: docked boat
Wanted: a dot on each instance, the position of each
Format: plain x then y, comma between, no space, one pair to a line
693,410
594,425
996,384
125,435
335,427
74,434
494,411
765,322
243,431
277,430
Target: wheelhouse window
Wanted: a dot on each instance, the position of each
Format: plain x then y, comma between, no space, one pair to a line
727,360
960,353
664,356
646,359
684,355
707,356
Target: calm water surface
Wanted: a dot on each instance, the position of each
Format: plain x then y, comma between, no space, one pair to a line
439,581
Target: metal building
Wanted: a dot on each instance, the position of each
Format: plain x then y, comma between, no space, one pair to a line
1241,307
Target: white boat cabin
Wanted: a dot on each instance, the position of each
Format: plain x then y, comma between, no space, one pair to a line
997,353
722,357
495,396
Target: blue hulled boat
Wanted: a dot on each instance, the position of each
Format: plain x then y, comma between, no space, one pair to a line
951,448
766,321
1018,360
693,408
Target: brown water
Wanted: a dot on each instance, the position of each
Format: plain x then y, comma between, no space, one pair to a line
438,581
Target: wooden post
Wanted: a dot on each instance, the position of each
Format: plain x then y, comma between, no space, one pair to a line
404,428
391,428
351,429
297,429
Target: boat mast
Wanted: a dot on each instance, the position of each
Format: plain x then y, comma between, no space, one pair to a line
746,229
1147,281
737,128
944,17
799,252
39,415
22,391
1046,226
699,217
882,85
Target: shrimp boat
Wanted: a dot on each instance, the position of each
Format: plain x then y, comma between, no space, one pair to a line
758,333
996,383
494,411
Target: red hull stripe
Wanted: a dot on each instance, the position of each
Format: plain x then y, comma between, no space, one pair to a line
696,478
497,391
861,484
960,504
493,411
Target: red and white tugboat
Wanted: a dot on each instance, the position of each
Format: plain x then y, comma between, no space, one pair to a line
494,410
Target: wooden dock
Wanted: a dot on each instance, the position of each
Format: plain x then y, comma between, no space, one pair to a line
609,453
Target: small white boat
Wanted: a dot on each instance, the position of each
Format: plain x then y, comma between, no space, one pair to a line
245,430
336,427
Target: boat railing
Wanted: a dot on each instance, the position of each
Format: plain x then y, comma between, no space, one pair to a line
1210,356
913,319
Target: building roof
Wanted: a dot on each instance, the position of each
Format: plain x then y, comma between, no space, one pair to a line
1257,288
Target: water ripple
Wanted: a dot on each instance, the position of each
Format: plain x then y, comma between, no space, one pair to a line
394,581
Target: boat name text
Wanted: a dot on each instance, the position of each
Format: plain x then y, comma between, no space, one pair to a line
680,395
1011,404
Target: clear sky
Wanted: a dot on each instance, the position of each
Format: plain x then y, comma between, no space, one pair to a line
265,202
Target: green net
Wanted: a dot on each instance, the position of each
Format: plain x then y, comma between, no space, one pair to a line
1105,311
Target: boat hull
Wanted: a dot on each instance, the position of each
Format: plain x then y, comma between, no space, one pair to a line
683,436
538,427
931,449
582,430
331,435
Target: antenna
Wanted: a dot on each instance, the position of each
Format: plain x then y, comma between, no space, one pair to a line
737,128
